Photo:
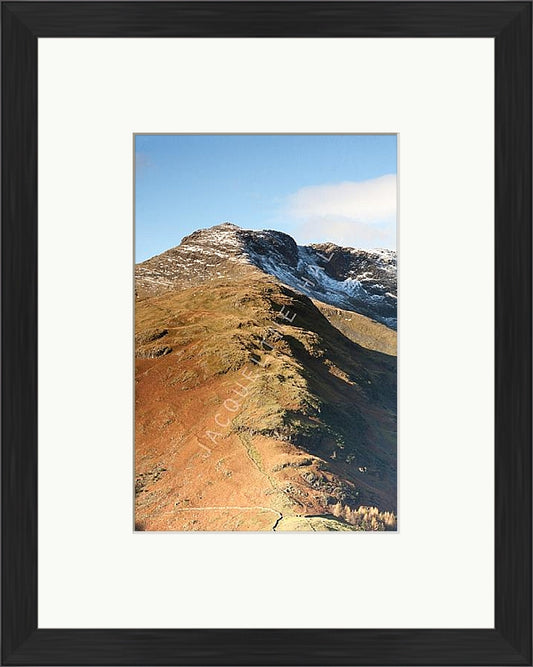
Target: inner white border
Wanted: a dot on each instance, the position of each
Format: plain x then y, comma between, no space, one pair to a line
438,570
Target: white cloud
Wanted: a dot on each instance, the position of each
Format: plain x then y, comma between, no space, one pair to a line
358,213
347,233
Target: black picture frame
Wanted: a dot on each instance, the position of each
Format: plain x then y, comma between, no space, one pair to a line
509,642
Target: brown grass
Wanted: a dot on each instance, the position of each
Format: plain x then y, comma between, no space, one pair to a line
319,409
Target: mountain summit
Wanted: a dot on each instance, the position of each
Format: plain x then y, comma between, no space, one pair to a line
363,281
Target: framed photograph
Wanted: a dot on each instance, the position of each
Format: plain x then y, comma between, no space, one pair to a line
281,353
266,333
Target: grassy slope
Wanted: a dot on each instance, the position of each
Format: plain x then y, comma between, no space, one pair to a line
315,428
360,329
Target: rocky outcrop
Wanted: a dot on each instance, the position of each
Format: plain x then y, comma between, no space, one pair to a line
363,281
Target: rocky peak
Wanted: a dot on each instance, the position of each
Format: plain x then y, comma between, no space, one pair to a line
360,280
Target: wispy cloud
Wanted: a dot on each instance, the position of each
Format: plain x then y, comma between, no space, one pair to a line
355,213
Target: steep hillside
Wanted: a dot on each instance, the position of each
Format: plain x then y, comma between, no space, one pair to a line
258,408
360,329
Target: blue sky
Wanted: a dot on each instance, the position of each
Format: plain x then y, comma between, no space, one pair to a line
339,188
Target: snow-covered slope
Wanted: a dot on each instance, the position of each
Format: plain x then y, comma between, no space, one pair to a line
360,280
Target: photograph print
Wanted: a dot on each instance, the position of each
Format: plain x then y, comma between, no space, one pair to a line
265,332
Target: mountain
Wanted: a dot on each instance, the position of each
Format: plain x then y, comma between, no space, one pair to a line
265,402
360,280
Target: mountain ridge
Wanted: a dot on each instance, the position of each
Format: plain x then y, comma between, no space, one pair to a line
258,406
363,281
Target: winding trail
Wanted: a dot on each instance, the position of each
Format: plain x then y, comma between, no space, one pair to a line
233,507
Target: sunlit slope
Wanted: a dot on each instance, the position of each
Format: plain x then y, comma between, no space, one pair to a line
360,329
254,412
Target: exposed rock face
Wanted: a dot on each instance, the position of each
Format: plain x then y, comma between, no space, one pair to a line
360,280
